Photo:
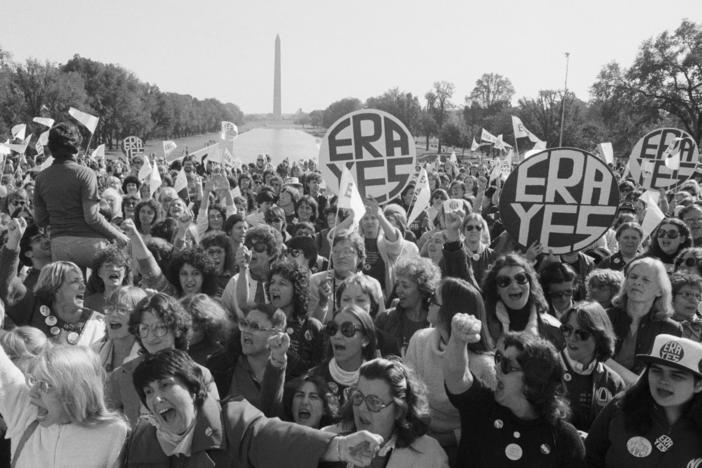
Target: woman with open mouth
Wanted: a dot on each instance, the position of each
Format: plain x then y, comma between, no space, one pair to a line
119,346
158,322
514,301
56,413
187,426
110,270
671,237
590,383
390,401
522,422
656,422
352,340
56,304
641,311
306,401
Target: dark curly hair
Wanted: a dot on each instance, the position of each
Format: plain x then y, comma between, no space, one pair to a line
64,140
155,206
112,254
265,235
409,395
130,179
543,375
491,296
299,277
170,312
170,363
322,389
655,250
198,259
217,239
210,316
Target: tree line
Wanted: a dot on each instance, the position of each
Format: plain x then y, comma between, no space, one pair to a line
662,88
126,106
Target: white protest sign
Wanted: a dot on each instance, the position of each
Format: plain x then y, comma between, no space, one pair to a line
132,146
376,147
654,149
564,198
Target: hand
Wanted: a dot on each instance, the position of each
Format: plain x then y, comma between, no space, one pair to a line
454,221
534,251
122,240
372,207
185,220
482,183
15,231
242,257
325,288
278,344
209,185
129,228
359,448
465,328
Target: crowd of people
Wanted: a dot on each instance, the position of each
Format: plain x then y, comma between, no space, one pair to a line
248,321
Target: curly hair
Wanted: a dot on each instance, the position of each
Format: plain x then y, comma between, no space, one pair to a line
422,271
112,254
309,200
409,395
612,279
217,239
265,235
299,277
170,312
318,381
210,316
491,295
689,254
655,249
64,140
170,363
543,375
591,316
198,259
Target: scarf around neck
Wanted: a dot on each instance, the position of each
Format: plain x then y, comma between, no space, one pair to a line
502,314
340,376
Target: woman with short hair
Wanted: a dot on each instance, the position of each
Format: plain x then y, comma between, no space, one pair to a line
56,414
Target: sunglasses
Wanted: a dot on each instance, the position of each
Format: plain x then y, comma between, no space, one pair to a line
561,294
259,247
348,329
474,228
18,202
504,281
156,331
253,326
373,403
504,364
692,262
672,234
581,335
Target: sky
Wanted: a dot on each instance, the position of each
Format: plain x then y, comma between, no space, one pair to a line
332,50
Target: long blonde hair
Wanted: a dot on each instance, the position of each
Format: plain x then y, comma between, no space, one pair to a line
663,305
77,376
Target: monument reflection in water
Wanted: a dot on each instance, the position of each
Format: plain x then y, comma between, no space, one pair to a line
278,142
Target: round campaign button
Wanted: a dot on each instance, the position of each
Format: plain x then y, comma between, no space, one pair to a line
44,310
545,449
639,447
51,320
72,338
55,330
498,424
514,452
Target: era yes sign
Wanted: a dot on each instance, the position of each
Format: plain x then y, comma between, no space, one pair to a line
376,147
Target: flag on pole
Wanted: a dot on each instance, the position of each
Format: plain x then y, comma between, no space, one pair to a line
520,131
168,147
653,214
501,145
145,170
45,121
349,197
422,196
229,130
18,131
487,136
155,181
88,121
474,146
453,158
98,153
22,147
181,185
607,152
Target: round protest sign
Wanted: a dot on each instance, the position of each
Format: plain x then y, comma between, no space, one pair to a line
132,146
376,147
663,158
564,198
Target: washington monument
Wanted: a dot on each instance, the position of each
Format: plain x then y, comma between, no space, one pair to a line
276,81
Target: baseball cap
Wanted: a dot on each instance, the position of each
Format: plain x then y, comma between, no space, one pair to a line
674,351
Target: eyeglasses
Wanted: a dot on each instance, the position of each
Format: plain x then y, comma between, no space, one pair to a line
252,326
693,220
582,335
690,295
156,331
294,253
693,262
672,234
348,329
18,202
505,364
373,403
348,251
116,310
476,228
42,385
259,247
561,294
504,281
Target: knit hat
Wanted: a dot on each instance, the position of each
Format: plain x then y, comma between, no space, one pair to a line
673,351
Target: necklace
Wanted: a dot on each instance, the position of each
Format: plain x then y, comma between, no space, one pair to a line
56,324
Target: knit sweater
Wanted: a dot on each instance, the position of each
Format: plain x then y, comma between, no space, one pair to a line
425,356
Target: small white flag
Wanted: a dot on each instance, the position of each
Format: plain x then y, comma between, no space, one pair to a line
487,136
88,121
349,197
474,146
155,181
520,131
44,138
453,158
181,185
145,170
607,152
39,147
98,153
18,131
422,196
45,121
229,130
671,155
653,214
22,147
168,147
